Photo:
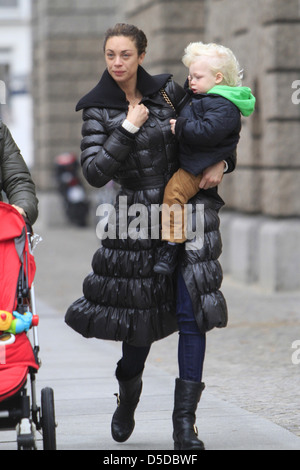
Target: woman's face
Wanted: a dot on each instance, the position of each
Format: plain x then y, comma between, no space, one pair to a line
122,58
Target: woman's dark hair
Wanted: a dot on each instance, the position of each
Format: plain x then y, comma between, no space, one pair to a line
128,30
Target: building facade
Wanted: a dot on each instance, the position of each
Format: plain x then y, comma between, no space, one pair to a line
261,222
15,72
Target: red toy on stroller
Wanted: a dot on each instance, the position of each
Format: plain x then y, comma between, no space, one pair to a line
18,358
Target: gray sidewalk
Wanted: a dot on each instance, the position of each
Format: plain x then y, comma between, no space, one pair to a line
251,396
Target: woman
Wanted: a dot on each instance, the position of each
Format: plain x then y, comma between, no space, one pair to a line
127,138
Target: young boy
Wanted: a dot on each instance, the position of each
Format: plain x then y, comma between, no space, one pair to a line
208,131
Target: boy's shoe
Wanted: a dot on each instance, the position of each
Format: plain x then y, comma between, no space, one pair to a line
168,259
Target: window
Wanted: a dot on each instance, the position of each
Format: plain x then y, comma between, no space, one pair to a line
4,94
9,3
15,10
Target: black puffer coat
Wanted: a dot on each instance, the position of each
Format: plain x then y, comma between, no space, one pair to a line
123,299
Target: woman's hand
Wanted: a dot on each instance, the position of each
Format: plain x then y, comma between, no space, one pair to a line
212,176
137,114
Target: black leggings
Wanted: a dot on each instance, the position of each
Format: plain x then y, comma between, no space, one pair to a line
133,360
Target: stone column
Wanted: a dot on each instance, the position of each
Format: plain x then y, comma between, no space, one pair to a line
169,26
264,247
67,63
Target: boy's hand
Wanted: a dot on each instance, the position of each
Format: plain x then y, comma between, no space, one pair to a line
173,124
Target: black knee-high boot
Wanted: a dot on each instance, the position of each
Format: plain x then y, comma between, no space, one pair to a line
187,397
123,423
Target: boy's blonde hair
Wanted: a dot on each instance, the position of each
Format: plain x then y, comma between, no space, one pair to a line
223,60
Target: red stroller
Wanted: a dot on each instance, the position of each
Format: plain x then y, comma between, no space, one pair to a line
18,358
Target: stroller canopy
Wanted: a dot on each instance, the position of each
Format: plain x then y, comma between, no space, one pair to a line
16,358
14,252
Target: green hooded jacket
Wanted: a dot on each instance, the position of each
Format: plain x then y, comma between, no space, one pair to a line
241,96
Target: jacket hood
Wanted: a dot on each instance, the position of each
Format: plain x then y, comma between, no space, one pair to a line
107,92
241,96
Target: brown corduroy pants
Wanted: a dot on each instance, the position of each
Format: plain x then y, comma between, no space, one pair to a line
180,188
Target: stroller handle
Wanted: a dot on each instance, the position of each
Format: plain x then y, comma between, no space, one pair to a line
28,225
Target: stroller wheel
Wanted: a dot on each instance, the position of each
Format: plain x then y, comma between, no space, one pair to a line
48,419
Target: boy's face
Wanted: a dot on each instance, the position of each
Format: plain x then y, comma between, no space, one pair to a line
201,77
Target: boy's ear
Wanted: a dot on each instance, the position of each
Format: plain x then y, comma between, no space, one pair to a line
219,78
